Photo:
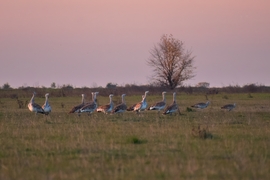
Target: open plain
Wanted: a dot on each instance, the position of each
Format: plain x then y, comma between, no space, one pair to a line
131,146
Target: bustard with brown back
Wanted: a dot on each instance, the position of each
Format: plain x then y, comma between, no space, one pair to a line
34,107
229,107
106,108
46,106
122,107
141,106
159,105
77,108
201,105
173,108
91,106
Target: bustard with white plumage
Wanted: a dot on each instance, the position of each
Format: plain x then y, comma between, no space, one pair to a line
201,105
106,108
120,108
77,108
34,107
91,106
229,107
46,106
159,105
173,108
141,106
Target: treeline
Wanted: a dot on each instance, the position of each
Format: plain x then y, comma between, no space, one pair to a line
69,91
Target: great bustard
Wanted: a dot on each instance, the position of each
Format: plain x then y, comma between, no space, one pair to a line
46,106
141,106
201,105
120,108
159,105
106,108
34,107
91,106
229,107
77,108
131,108
173,107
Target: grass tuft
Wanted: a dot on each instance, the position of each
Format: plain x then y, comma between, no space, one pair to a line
202,133
188,109
135,140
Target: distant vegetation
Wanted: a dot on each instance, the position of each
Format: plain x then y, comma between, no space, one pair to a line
6,86
130,89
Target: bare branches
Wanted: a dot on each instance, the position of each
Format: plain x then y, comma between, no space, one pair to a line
170,63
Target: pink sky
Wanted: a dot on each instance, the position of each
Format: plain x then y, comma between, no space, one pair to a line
92,43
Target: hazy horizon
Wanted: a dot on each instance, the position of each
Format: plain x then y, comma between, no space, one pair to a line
91,43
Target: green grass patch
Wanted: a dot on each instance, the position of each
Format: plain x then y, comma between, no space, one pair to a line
135,140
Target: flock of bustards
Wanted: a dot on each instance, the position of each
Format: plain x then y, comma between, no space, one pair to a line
92,106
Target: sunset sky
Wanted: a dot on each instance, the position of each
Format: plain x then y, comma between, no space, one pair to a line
94,42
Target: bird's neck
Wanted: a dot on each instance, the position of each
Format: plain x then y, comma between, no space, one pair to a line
46,101
32,99
95,98
144,98
110,100
82,99
164,99
174,100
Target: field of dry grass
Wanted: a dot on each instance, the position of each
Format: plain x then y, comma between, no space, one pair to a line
65,146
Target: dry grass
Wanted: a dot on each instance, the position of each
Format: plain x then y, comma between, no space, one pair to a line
63,146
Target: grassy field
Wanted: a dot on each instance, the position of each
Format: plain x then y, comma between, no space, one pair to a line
64,146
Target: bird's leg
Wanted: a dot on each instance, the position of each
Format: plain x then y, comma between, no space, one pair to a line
179,111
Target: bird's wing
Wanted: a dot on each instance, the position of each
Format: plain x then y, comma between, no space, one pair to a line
120,107
75,108
137,106
104,107
38,108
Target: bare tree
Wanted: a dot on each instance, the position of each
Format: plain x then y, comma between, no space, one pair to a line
171,63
